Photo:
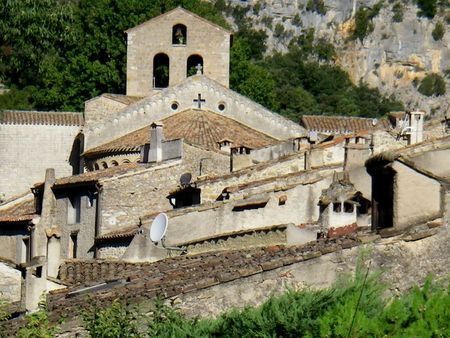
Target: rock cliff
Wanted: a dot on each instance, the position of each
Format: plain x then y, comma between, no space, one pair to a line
398,51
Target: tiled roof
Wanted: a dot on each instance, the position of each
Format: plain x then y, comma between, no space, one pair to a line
195,126
17,212
127,100
94,176
341,124
41,118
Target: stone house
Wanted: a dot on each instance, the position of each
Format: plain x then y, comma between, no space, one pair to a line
410,186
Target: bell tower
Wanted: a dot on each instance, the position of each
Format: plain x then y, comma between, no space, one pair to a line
165,50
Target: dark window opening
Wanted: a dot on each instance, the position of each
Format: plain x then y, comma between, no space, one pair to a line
74,209
73,245
174,106
221,106
250,206
39,272
337,207
185,198
194,65
160,71
348,207
75,159
26,250
179,34
383,198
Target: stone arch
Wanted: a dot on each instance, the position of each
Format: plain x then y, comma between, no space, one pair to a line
125,161
114,163
96,167
161,68
179,34
192,62
104,165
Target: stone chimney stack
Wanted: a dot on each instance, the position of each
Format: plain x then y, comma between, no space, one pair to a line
416,126
156,140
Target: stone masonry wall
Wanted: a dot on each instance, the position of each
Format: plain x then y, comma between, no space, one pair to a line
155,36
27,150
126,198
100,108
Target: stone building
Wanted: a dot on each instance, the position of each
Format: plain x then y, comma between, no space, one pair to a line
229,173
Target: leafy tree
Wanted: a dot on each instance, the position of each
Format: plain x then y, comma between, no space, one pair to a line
17,99
398,12
432,84
317,6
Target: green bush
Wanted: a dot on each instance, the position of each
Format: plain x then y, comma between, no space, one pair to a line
432,84
279,30
116,321
428,8
317,6
438,31
397,9
38,325
297,20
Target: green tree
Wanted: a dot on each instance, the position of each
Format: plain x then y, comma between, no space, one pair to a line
38,325
428,8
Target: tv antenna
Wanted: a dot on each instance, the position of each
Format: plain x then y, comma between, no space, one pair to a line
158,232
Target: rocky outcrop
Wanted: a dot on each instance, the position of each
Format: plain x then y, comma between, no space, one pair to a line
397,54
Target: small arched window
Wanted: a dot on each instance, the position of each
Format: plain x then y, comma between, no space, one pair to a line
194,65
114,164
161,71
104,165
96,167
125,161
179,34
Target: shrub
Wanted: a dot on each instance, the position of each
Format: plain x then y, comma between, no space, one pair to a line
317,6
279,30
427,8
118,320
38,325
397,9
432,84
297,20
438,31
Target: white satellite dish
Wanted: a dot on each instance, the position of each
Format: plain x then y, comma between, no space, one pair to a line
159,228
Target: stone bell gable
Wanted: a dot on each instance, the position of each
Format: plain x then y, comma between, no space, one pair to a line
197,92
163,51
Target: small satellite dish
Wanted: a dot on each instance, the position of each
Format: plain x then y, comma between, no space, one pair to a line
185,179
159,228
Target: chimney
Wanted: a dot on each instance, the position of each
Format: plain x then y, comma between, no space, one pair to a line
416,126
156,139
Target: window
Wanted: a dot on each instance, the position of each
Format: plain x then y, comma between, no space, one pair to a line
174,106
348,207
73,245
161,70
74,209
114,164
25,250
194,65
179,34
185,198
337,207
221,106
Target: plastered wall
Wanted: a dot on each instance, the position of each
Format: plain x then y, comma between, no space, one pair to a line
27,150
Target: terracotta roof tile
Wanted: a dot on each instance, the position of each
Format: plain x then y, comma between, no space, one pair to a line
198,127
17,212
341,124
94,176
41,118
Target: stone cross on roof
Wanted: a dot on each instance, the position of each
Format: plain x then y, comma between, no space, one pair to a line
199,101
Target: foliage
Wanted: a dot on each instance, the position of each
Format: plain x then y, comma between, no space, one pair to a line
363,21
116,321
438,31
17,99
432,84
297,20
317,6
428,8
279,30
4,314
71,51
38,325
398,12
